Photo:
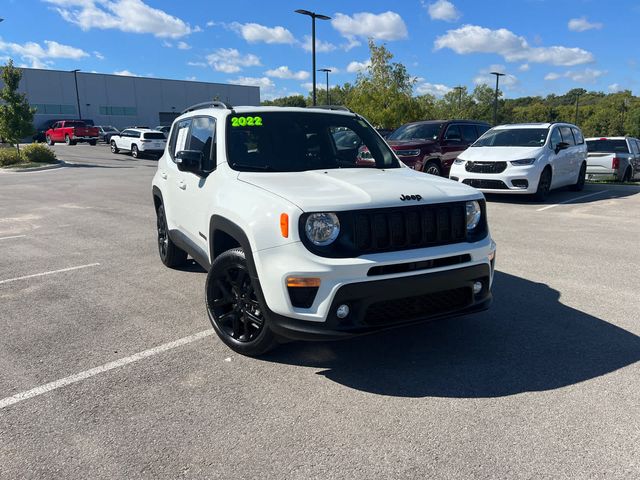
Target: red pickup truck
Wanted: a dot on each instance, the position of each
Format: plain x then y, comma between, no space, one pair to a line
72,132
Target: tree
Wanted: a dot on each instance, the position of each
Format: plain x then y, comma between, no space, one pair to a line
16,116
383,93
290,101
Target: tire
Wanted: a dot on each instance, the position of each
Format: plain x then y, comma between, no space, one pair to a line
134,151
432,168
544,185
170,254
49,141
93,142
235,310
579,185
627,175
67,140
114,147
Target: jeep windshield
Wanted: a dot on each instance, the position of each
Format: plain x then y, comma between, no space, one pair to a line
513,137
301,141
412,131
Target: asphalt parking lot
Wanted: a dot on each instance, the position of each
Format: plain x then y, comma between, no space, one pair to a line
108,367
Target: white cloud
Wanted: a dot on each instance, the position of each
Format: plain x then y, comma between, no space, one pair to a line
126,15
125,73
98,55
443,10
513,48
284,72
587,75
211,23
39,56
167,44
229,60
384,26
196,64
321,47
435,89
615,88
254,32
265,83
524,67
582,25
183,45
485,77
356,67
191,79
308,86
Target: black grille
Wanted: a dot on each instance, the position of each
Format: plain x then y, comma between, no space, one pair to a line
419,307
409,227
482,183
485,167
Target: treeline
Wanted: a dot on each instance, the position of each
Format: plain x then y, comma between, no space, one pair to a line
384,94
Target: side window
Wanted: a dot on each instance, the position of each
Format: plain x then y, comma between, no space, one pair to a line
452,134
556,138
56,125
577,134
202,139
469,134
178,139
482,129
346,139
637,142
633,145
567,136
134,134
124,133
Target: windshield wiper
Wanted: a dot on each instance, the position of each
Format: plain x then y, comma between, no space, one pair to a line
265,168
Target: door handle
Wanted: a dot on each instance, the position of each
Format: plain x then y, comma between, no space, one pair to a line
182,185
163,175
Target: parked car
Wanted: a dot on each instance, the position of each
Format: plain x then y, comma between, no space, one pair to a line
139,141
613,158
524,158
298,247
41,130
432,146
72,132
106,132
164,129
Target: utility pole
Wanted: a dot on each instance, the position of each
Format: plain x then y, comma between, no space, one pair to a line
313,16
495,101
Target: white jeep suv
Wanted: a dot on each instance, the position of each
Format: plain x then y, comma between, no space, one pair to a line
302,243
139,141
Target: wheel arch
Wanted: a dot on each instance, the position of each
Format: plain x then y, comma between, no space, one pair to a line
224,235
157,197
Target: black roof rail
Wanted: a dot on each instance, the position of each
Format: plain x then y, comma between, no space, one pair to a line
333,107
212,104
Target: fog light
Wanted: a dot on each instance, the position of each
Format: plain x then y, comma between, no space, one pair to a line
342,311
477,287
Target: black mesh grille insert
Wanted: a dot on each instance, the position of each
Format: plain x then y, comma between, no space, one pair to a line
410,227
485,167
418,307
482,183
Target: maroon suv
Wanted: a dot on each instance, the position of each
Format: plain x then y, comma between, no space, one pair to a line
432,146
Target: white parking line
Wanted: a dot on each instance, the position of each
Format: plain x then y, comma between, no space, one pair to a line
13,236
63,382
9,280
571,200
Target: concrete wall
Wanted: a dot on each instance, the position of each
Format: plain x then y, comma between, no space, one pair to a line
149,96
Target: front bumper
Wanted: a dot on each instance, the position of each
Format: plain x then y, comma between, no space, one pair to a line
530,173
382,304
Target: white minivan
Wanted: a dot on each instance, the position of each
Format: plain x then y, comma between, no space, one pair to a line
531,158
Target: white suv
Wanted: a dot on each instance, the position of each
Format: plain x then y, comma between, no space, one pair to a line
302,243
139,141
531,158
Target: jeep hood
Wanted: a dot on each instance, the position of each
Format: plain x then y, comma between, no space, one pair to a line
358,188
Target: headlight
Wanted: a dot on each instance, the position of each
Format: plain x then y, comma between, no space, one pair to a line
322,228
473,215
524,161
458,161
408,153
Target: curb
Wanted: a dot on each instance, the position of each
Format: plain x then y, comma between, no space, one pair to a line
52,166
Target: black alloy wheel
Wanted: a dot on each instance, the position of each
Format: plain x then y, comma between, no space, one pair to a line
67,139
170,254
579,185
544,185
233,306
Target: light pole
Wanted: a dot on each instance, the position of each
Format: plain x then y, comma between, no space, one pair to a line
75,78
577,104
459,88
327,71
313,16
495,101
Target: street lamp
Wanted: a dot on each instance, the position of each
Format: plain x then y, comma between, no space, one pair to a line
495,101
327,71
577,104
459,88
75,78
313,16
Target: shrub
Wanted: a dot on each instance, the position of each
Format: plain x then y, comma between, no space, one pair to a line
8,156
38,153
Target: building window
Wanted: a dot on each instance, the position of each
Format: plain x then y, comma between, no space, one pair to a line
126,111
53,109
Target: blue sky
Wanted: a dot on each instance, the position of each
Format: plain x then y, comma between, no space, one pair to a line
544,46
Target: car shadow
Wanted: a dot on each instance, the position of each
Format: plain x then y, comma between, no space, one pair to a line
566,196
190,266
94,165
528,341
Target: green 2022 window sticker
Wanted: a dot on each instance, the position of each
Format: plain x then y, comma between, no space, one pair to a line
246,121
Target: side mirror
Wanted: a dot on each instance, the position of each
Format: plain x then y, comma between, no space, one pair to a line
189,161
561,146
